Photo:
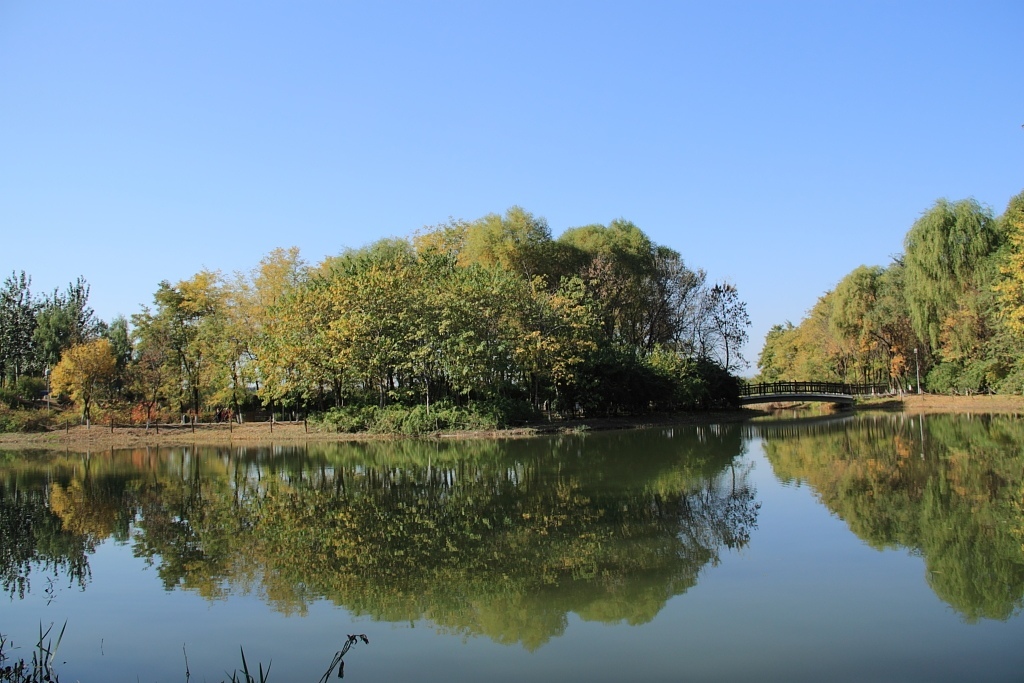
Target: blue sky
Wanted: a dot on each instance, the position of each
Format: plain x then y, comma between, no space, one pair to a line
777,145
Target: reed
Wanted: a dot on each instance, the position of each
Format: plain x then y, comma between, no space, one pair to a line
39,667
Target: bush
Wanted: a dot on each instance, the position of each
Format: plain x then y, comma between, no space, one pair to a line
417,420
13,421
31,388
348,419
9,397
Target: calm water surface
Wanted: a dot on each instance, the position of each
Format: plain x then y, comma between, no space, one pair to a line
858,548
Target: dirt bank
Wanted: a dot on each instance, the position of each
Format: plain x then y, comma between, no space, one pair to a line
96,437
934,403
260,433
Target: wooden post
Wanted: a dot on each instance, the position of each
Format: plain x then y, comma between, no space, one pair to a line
271,422
67,427
111,424
193,424
305,426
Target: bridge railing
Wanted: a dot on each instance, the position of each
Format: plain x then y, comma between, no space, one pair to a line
770,388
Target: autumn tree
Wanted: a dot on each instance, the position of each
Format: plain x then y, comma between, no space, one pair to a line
84,372
1011,287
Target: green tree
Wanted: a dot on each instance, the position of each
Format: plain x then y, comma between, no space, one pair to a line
775,362
188,321
17,326
943,252
65,319
518,241
644,292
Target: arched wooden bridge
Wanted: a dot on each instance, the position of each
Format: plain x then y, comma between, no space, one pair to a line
825,392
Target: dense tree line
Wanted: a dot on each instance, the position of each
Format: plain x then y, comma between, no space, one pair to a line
492,315
950,307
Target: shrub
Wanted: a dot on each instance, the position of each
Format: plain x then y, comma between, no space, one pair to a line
345,419
9,397
417,420
20,421
31,388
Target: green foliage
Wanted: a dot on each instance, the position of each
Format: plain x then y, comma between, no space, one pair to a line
946,307
419,420
492,319
23,392
15,420
943,251
17,325
64,320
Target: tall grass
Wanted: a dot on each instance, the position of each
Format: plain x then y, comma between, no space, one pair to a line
39,667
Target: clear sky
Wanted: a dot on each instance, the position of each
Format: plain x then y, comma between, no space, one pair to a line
777,145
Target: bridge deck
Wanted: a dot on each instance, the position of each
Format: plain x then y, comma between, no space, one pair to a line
824,392
845,399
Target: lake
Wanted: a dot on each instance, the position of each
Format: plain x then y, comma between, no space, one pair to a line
849,548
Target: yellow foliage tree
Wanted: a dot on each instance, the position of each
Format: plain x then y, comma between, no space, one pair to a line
1011,287
84,371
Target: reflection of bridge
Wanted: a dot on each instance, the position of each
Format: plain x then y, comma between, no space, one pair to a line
826,392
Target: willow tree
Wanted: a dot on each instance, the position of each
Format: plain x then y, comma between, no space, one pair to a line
518,241
943,252
645,293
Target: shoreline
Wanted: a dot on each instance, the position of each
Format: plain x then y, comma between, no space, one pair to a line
261,433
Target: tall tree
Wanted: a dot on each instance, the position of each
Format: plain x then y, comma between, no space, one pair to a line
17,325
64,320
518,241
188,316
1011,286
724,327
944,249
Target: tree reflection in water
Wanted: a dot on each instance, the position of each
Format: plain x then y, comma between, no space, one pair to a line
949,487
502,539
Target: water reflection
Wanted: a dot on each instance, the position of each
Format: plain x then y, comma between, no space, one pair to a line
480,538
948,487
